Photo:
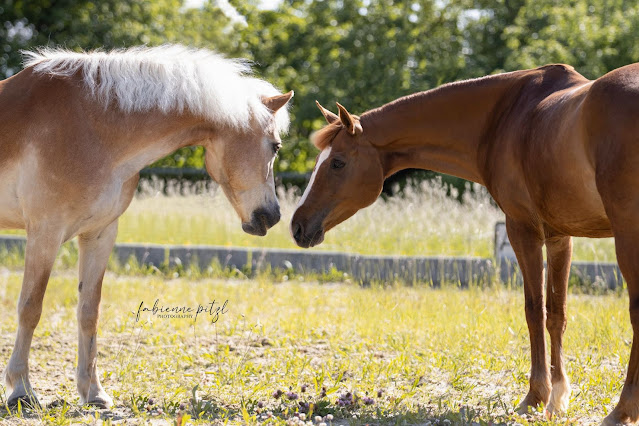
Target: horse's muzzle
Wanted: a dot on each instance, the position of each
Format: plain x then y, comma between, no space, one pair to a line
306,238
262,219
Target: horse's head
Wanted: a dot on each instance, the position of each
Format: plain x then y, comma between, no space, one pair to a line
348,176
241,162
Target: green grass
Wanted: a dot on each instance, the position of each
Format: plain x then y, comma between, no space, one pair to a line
422,223
434,354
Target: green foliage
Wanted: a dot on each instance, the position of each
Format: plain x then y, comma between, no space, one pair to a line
362,53
81,24
485,22
593,36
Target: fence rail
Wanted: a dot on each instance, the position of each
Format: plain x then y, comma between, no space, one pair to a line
433,270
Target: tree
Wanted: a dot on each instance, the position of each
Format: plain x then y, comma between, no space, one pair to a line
485,23
594,36
362,54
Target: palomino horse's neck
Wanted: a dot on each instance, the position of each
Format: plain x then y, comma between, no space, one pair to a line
139,139
439,129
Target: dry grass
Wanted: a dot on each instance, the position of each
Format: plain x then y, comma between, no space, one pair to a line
424,222
437,355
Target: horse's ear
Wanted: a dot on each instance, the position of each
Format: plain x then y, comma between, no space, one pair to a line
329,116
274,103
350,121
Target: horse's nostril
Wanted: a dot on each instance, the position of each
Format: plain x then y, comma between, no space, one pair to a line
297,231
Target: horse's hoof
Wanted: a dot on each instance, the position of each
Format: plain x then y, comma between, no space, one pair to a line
57,403
525,407
102,401
26,401
612,420
531,403
559,397
98,404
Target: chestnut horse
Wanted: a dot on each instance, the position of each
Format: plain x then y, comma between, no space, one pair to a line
76,128
559,154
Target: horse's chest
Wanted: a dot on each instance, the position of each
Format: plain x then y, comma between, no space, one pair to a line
106,205
10,211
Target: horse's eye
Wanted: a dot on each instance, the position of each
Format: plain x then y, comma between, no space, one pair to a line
276,147
337,164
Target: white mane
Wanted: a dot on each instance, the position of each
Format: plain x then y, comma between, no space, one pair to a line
169,77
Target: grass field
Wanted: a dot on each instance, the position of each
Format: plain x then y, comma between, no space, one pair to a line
424,222
394,355
289,349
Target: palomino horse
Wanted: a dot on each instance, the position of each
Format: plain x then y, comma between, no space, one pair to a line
558,153
76,130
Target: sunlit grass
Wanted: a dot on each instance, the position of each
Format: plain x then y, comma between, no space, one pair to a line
428,223
432,354
423,222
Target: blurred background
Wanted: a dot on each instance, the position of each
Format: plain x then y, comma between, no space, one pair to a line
360,53
417,355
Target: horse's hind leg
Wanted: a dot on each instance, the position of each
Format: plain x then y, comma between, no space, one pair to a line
527,242
626,243
95,249
559,253
42,247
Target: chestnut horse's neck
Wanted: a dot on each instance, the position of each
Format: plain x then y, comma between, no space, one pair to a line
439,129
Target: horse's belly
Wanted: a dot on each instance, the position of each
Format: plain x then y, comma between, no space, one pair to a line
576,211
592,227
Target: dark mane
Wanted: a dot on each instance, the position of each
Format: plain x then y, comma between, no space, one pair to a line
324,136
442,90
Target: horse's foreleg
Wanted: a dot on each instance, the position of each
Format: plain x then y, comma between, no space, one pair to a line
527,242
559,253
41,250
627,409
95,249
